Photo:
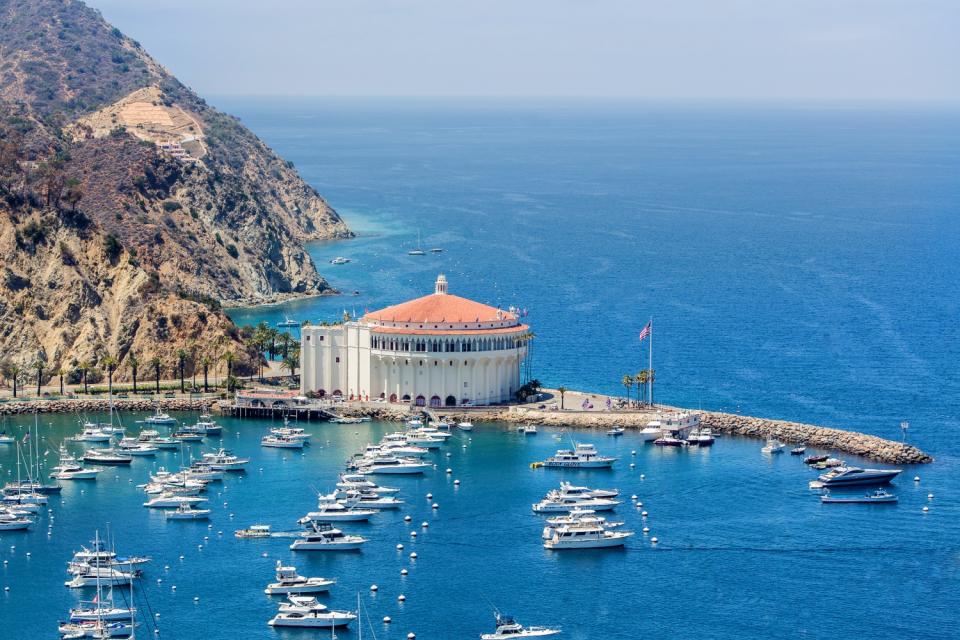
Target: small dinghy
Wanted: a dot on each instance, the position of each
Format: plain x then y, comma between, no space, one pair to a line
878,496
616,431
798,451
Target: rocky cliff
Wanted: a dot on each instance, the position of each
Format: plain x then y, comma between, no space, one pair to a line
131,210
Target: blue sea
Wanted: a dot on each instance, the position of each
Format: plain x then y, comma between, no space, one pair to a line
797,262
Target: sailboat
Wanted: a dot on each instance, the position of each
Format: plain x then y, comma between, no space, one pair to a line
419,250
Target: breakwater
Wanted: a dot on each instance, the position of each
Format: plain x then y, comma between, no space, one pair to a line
93,405
832,439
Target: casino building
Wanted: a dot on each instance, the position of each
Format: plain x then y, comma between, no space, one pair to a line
438,350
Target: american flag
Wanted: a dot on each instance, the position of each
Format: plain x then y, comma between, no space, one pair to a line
645,332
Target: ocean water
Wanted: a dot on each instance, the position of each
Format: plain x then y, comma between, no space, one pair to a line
797,262
745,549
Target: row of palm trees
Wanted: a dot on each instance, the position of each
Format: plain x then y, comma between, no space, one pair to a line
641,379
273,343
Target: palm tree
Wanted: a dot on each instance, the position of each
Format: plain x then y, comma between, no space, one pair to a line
627,381
650,378
84,366
194,348
641,380
562,391
134,364
229,358
60,373
15,371
291,362
181,360
110,364
156,363
205,362
39,365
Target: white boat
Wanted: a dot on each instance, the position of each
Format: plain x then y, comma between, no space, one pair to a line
186,512
323,537
575,491
68,468
419,250
652,431
528,430
359,482
223,460
106,611
585,536
307,612
288,581
582,456
855,476
387,464
361,498
253,531
465,426
172,501
290,432
134,447
13,521
702,437
616,431
5,438
508,628
96,629
561,504
160,418
338,512
92,576
92,433
208,425
577,516
773,446
281,442
288,322
340,260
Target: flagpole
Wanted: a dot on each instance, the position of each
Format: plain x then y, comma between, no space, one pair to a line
650,367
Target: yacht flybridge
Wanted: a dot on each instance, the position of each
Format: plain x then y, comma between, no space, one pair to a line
307,612
289,581
323,537
585,535
854,476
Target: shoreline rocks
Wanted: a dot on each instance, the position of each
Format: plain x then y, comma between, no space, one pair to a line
98,404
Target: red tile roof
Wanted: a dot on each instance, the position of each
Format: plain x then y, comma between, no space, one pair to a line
440,308
447,332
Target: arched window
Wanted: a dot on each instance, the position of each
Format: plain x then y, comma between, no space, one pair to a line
393,397
406,397
421,401
435,401
451,401
322,393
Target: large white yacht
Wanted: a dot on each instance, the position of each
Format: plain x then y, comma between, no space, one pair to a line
360,482
92,433
508,628
307,612
160,418
652,431
367,499
577,516
582,456
68,468
288,581
172,501
323,537
854,476
585,535
389,464
338,512
281,442
562,504
223,460
567,489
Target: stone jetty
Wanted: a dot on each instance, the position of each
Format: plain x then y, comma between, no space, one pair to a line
831,439
91,405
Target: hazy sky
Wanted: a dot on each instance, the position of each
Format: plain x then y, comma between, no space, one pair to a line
742,49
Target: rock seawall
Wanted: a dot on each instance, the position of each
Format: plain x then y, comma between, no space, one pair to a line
90,406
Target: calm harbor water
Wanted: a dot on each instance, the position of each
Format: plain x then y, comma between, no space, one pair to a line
744,546
798,263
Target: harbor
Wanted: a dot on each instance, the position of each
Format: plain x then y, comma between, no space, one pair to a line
479,505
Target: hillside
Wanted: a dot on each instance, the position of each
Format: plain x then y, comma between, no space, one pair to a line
130,210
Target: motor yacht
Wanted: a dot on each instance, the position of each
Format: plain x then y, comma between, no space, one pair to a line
91,576
186,435
585,536
340,260
561,504
281,442
288,581
68,468
773,446
337,512
853,476
389,464
616,431
186,512
172,501
574,491
528,430
285,431
99,555
111,457
309,613
92,433
160,418
577,516
359,498
133,447
360,482
11,520
223,460
798,451
465,426
507,629
702,437
208,426
6,438
582,456
652,431
324,537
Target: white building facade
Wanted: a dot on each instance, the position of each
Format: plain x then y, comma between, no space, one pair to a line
438,350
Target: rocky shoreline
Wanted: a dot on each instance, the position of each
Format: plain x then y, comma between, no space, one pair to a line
839,440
